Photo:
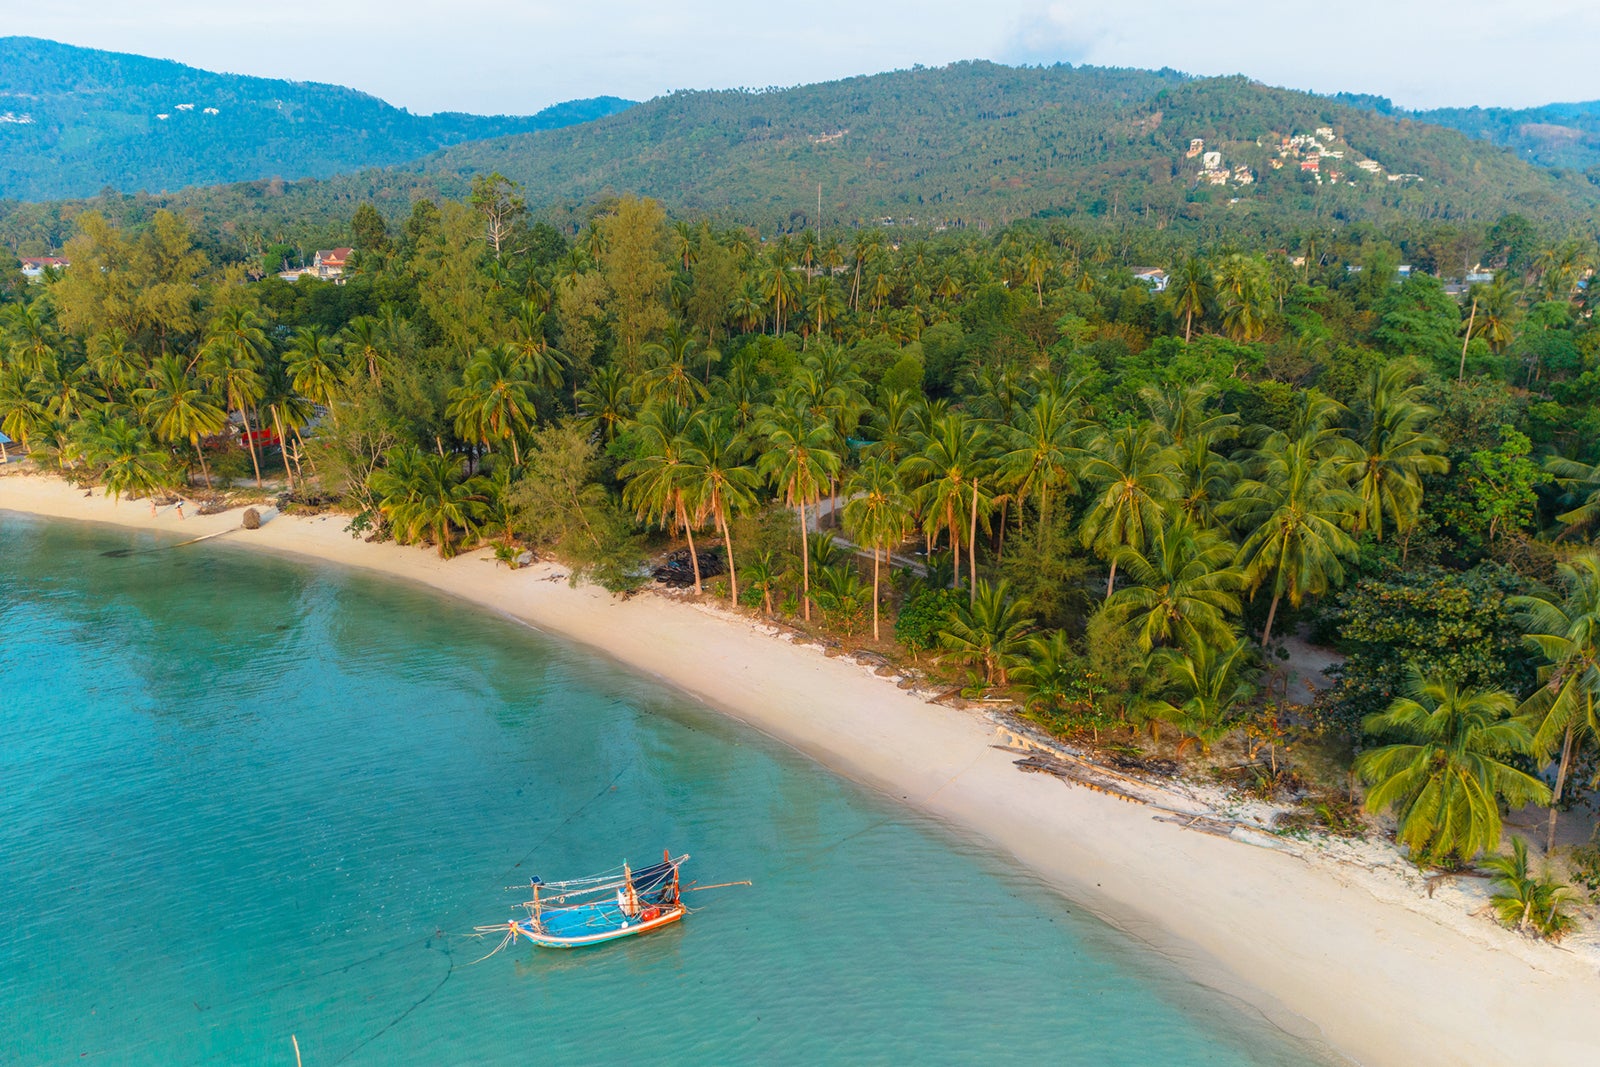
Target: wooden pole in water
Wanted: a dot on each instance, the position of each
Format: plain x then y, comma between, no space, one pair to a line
296,1042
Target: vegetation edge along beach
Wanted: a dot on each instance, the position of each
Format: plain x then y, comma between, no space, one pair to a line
1321,945
1278,544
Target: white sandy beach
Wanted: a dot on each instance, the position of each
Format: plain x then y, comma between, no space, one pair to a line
1366,962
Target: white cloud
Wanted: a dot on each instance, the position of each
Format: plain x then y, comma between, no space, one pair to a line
519,55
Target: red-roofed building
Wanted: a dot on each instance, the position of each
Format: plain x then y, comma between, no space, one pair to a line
329,263
34,266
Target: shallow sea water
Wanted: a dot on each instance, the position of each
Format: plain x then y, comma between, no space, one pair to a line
243,798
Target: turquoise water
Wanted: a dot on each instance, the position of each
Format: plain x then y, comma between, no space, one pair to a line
243,798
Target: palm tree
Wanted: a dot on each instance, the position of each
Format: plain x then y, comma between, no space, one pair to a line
314,368
24,411
607,403
366,344
178,408
546,365
669,376
233,358
658,487
948,471
991,629
761,575
798,460
495,400
132,463
877,513
1526,902
1446,773
1193,292
1564,627
1052,673
1293,509
1133,476
1205,686
424,494
1243,286
1395,452
719,483
1181,590
115,362
1042,453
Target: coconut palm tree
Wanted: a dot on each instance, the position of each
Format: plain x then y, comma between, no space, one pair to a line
719,481
233,359
1526,902
761,574
1564,627
24,409
1205,687
798,459
1395,451
424,494
1244,289
495,400
877,513
1446,773
315,369
178,408
1192,293
131,463
669,375
658,487
1181,589
991,629
1132,476
366,344
949,471
1042,452
1291,513
607,403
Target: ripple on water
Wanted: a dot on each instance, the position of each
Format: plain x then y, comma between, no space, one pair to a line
245,798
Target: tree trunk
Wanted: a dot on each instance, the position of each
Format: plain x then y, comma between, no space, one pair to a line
1555,794
875,636
516,453
1188,325
805,567
1461,376
250,442
1272,613
1111,579
733,572
694,557
955,543
283,446
206,471
972,548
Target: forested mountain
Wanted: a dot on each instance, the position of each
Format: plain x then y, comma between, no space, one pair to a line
75,120
1554,135
978,142
972,145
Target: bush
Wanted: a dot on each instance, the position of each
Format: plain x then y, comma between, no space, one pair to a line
923,617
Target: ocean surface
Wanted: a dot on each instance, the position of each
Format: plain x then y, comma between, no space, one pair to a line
244,798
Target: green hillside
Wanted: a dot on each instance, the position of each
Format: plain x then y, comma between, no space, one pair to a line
75,120
983,143
1554,135
972,145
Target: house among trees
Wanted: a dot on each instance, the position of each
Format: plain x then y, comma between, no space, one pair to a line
328,264
1154,277
33,267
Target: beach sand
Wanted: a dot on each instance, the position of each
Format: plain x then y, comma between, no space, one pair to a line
1326,948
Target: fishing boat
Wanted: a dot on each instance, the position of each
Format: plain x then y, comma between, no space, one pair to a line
604,907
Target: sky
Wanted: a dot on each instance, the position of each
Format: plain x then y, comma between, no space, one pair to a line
516,56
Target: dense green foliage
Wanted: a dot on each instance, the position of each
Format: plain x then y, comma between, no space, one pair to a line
970,146
1117,499
80,120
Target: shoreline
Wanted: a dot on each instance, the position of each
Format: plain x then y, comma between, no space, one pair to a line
1370,966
